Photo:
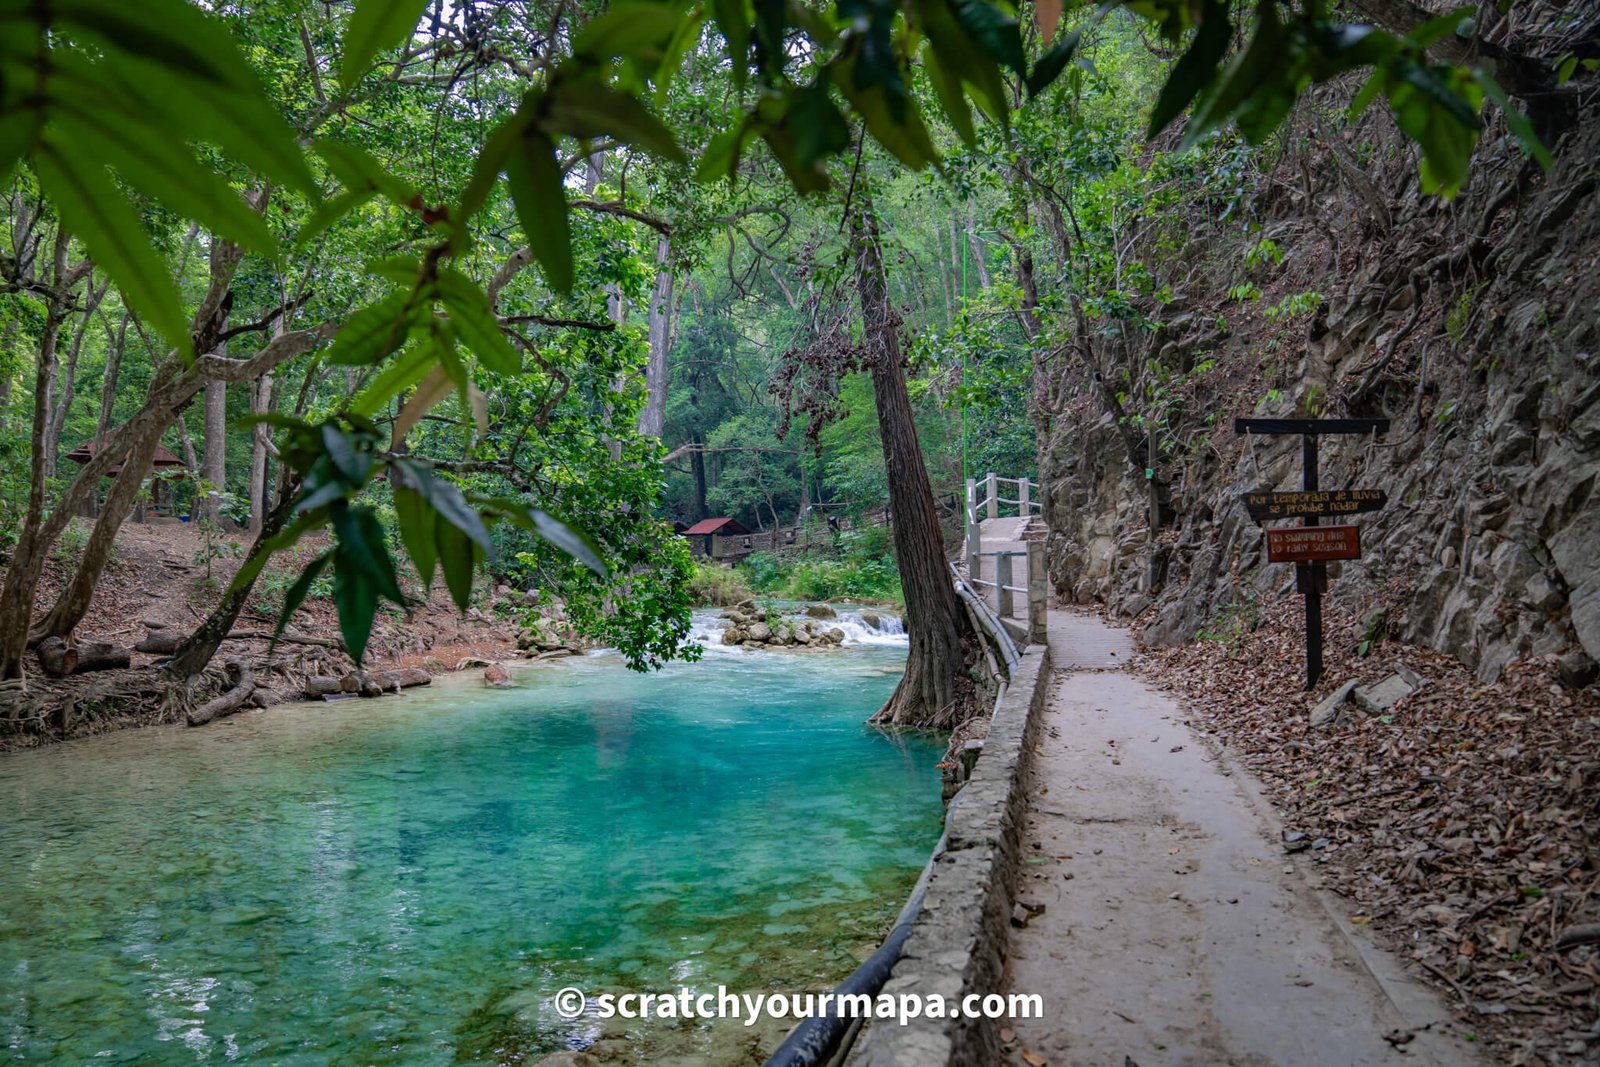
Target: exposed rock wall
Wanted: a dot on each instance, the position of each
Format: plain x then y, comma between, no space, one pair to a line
1474,326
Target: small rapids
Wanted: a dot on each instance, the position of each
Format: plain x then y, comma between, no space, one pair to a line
861,626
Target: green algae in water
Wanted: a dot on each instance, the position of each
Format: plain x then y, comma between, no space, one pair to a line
409,881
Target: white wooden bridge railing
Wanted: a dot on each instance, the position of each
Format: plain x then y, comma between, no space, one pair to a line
1001,586
1026,500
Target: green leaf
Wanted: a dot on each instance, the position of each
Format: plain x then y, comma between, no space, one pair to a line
1254,74
570,540
589,109
685,38
374,331
771,18
1433,83
721,158
376,26
296,594
96,211
1439,26
905,137
541,202
446,498
1366,94
357,600
992,30
1516,121
368,549
171,32
400,373
351,463
458,555
435,387
493,156
415,517
405,271
820,128
166,170
1052,63
951,98
1195,68
331,210
628,28
733,20
283,539
18,131
962,63
475,322
243,123
356,168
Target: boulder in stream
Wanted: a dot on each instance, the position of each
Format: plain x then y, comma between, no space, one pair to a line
496,676
821,611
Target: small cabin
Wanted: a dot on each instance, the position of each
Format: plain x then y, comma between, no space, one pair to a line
160,503
721,538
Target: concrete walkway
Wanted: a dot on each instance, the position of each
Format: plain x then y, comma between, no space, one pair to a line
1176,929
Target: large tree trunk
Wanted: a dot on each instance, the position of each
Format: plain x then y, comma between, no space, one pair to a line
108,385
653,417
70,607
27,558
196,651
697,462
215,449
930,694
67,381
169,392
261,441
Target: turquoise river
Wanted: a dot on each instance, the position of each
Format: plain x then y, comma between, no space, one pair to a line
410,880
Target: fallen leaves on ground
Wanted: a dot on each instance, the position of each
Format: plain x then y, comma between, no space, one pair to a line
1464,825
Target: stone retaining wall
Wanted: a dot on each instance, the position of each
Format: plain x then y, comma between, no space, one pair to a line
958,943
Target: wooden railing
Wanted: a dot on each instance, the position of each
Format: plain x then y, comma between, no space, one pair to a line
1000,586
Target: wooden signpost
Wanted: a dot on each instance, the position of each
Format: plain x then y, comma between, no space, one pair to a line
1313,544
1265,506
1309,546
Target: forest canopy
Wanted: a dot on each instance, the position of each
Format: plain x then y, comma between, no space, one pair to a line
438,264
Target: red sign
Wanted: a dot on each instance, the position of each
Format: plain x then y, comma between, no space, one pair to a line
1311,544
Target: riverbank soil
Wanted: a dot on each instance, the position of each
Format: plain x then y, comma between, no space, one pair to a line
1177,927
159,580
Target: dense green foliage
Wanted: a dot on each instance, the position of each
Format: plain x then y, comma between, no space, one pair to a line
306,201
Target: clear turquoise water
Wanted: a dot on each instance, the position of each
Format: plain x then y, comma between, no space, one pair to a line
408,881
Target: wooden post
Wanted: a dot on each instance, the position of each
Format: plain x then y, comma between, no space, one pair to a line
1155,511
969,520
1038,591
1002,584
1023,507
1312,577
994,496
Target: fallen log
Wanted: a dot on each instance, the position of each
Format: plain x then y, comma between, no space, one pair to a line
367,683
61,659
58,658
162,644
244,687
322,685
401,678
1583,934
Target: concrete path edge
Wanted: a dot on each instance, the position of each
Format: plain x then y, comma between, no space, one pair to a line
959,941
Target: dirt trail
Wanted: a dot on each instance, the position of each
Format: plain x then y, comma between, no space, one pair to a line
1177,930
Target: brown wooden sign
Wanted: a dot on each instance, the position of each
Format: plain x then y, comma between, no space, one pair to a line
1313,544
1264,507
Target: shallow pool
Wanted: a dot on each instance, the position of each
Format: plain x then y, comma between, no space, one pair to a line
409,880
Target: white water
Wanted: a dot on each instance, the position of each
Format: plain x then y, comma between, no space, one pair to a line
708,624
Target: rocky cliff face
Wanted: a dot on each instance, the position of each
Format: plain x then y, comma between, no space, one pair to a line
1474,326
